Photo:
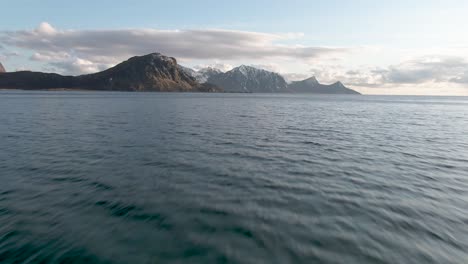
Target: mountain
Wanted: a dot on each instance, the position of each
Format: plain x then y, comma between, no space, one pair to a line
152,72
201,75
2,69
311,85
248,79
204,74
156,72
28,80
187,70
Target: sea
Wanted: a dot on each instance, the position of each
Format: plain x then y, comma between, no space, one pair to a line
119,177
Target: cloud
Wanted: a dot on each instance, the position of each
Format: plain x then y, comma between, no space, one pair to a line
86,51
46,29
112,46
425,69
8,55
462,79
47,56
295,76
224,67
272,67
79,66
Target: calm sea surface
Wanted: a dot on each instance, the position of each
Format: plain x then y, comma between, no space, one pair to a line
102,177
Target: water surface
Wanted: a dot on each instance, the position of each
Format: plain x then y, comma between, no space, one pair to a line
102,177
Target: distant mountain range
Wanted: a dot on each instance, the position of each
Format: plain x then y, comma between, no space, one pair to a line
156,72
311,85
247,79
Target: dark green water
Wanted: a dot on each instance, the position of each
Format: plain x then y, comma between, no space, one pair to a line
96,177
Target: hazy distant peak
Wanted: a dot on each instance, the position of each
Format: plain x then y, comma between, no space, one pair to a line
311,85
312,80
339,84
2,69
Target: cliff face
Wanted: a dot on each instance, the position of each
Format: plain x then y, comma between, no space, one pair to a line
152,72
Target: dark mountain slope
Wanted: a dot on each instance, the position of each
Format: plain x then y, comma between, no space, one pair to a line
311,85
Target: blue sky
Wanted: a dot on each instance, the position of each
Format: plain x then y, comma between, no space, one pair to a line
389,47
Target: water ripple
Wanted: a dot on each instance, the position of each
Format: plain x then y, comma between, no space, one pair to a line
209,178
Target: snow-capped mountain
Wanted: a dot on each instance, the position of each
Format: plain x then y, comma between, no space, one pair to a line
187,70
249,80
204,74
201,75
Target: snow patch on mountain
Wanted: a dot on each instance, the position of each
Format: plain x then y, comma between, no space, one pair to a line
201,75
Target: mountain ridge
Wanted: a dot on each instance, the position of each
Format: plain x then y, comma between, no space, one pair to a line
249,79
312,85
160,73
151,72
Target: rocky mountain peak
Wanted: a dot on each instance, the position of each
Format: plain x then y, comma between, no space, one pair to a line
249,79
155,59
247,70
153,71
2,69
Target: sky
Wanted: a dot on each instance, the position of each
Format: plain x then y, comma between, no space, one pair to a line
375,47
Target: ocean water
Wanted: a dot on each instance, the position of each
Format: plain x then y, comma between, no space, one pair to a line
102,177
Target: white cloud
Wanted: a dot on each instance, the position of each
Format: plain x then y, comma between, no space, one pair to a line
8,55
48,56
46,29
273,67
295,76
224,67
112,46
420,70
77,66
424,69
